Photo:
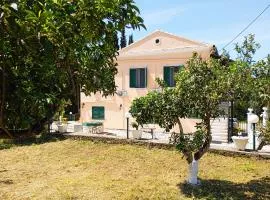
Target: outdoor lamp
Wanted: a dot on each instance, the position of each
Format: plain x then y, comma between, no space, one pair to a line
253,119
127,115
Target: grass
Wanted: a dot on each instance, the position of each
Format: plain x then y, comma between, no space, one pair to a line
84,170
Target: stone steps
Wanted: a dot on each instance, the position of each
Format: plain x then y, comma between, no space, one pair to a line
219,128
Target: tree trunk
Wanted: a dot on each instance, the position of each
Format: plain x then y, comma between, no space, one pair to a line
187,153
180,126
193,169
207,142
261,145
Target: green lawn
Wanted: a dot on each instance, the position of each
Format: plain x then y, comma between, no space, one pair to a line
84,170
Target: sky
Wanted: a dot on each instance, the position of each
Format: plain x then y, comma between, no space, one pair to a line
210,21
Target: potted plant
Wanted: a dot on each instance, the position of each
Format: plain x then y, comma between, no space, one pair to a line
62,126
137,134
240,141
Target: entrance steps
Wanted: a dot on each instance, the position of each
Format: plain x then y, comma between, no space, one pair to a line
219,129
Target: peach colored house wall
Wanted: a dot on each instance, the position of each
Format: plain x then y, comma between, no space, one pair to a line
172,51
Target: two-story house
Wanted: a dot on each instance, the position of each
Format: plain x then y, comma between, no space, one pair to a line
158,55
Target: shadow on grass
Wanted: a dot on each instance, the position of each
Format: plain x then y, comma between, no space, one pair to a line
220,189
7,182
7,144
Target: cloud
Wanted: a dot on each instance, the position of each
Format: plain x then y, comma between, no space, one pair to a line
159,17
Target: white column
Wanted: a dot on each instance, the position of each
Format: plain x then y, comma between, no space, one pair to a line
265,116
249,130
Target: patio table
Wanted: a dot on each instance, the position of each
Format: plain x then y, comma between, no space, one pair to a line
151,130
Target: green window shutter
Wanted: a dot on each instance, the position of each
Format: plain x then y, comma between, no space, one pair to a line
166,75
132,78
143,77
98,112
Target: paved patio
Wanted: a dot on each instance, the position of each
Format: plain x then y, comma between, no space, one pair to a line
159,137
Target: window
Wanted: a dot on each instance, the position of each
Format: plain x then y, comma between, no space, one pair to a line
157,41
138,78
169,73
98,112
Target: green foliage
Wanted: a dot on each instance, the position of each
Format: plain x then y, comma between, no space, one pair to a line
265,132
135,125
201,89
250,79
116,41
190,142
261,86
142,108
51,50
198,91
158,107
247,49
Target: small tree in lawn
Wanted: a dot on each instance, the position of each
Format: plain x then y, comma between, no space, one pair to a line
198,91
201,89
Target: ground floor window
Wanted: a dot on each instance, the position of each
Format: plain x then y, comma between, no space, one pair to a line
98,112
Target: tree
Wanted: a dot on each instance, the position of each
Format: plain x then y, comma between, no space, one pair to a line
261,86
247,49
49,49
123,40
130,39
261,94
116,41
198,91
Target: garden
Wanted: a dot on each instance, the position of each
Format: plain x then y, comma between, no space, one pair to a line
70,169
50,51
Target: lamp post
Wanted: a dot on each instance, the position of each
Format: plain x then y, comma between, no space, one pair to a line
253,119
127,115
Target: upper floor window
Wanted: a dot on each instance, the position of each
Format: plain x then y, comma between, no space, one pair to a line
138,78
169,74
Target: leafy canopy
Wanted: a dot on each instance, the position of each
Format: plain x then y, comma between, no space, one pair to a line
50,50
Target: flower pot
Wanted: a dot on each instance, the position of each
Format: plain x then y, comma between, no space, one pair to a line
240,142
62,128
136,134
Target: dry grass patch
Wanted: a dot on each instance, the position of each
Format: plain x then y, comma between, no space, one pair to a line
84,170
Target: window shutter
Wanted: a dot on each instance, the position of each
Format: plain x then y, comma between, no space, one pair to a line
132,78
166,75
145,75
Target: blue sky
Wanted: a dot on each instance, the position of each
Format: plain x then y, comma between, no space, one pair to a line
211,21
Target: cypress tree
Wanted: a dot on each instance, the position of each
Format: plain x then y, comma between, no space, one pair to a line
116,41
123,40
130,39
